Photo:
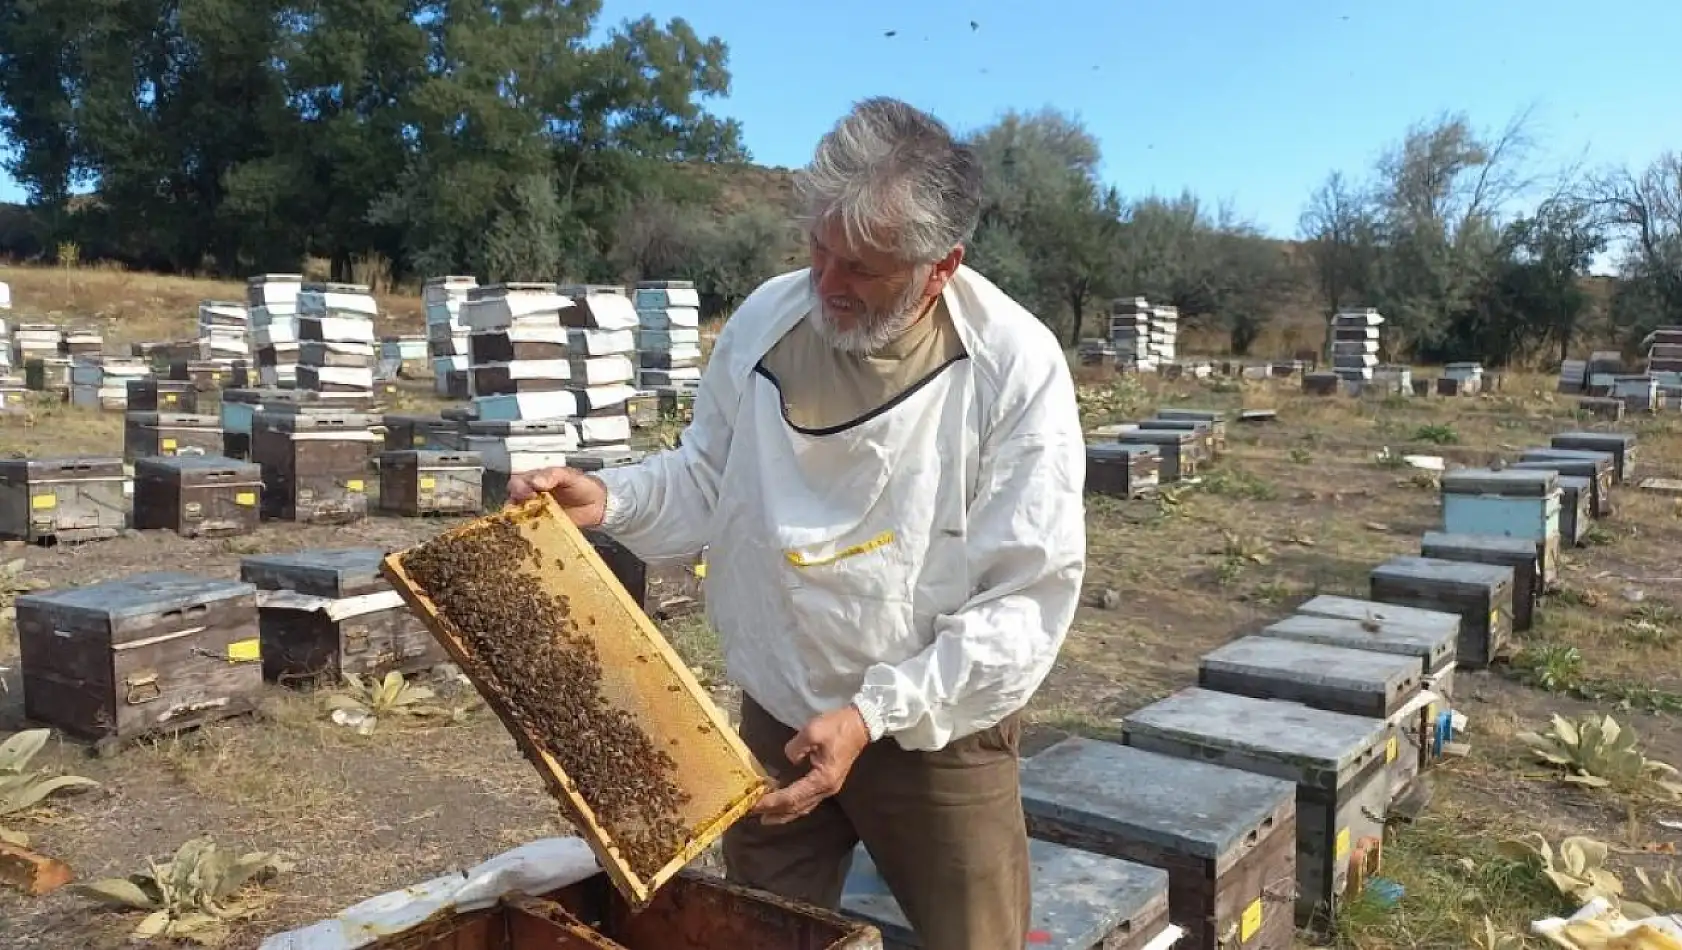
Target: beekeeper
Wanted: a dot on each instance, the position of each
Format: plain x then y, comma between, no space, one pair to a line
885,467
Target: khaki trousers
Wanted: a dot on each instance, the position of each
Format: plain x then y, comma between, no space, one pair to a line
945,829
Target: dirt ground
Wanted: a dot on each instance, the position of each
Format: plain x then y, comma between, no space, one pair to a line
1300,506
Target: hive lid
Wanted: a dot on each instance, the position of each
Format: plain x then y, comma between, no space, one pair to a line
1516,548
1192,425
196,463
1331,666
1430,645
1603,459
1114,789
1562,439
1204,415
1121,450
1585,467
1081,899
332,572
1175,437
1508,482
1462,573
1285,740
137,595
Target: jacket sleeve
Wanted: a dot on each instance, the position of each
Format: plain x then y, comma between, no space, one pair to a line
662,507
1027,557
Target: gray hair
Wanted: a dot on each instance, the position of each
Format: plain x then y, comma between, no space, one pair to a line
896,180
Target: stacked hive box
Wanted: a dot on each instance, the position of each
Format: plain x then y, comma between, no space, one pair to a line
273,303
517,352
668,335
5,330
1604,365
102,382
1130,334
37,350
1664,361
315,463
336,340
1460,379
1164,332
1355,343
601,325
224,332
400,355
446,334
83,343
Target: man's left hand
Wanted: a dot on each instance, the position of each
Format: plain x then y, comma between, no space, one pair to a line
830,744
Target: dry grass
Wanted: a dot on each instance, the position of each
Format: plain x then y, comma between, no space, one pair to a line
129,307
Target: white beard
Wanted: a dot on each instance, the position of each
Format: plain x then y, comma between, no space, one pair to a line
870,330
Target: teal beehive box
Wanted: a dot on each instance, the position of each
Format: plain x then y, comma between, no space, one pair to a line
1511,503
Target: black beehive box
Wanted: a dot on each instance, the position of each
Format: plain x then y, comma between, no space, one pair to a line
330,612
197,495
1482,594
124,658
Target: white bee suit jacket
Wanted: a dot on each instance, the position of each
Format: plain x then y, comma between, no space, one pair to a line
923,562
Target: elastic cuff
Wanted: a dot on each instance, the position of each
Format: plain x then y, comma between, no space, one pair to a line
613,510
871,712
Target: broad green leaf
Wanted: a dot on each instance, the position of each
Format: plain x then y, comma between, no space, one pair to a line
16,752
1592,781
18,799
116,890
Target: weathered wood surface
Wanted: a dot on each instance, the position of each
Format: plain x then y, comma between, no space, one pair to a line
1482,594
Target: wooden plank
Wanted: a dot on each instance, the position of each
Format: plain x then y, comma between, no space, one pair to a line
34,874
641,675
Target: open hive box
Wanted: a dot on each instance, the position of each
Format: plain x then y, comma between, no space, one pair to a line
691,913
643,762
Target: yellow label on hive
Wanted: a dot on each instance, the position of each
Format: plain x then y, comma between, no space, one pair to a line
1251,922
1341,849
1431,713
427,482
1494,618
245,651
1390,750
168,445
420,440
701,570
39,502
354,484
391,389
246,498
169,397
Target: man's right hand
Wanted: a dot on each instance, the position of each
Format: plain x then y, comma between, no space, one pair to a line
581,495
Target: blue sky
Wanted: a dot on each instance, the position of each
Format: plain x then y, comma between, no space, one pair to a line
1249,101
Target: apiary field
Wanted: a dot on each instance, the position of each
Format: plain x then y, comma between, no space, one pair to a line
1303,505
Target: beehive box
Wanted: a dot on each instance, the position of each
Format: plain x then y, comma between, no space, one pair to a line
331,612
1207,449
1595,465
62,500
1177,451
1482,594
117,659
1431,646
148,434
1122,471
420,482
208,496
709,913
1576,494
643,762
1217,422
1336,679
315,465
1516,553
151,394
1081,901
1336,761
1226,837
1620,444
662,591
1514,503
419,432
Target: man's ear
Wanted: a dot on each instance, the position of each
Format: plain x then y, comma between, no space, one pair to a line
944,269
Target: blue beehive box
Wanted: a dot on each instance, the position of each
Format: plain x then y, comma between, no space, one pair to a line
1510,503
1082,901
